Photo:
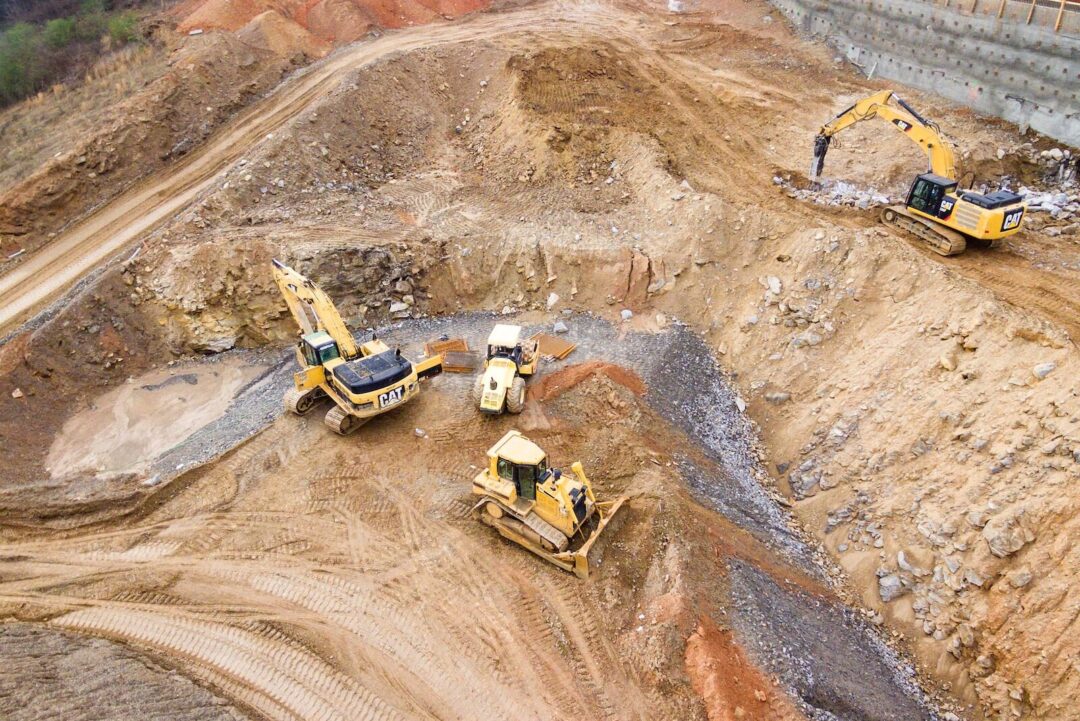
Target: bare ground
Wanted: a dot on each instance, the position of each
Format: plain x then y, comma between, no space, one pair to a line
619,158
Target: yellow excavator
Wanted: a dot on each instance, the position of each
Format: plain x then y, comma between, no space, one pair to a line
555,516
363,381
936,210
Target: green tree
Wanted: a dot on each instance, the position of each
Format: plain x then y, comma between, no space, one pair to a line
91,22
122,28
18,72
59,33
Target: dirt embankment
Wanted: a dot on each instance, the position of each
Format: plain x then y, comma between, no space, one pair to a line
209,81
323,21
921,414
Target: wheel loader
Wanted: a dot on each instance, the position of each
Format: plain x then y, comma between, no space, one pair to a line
555,516
936,210
510,360
363,381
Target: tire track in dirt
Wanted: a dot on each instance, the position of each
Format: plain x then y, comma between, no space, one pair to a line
273,678
1014,280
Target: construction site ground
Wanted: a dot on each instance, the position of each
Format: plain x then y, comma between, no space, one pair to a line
850,462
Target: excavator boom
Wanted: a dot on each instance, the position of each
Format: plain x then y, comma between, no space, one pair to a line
942,160
312,308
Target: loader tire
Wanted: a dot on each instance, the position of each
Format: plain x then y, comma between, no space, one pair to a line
478,390
515,396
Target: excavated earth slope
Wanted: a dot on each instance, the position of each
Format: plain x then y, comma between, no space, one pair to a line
917,414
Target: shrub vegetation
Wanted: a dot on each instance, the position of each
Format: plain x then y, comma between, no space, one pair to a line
37,51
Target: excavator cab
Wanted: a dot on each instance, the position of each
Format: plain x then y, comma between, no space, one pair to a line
319,348
931,194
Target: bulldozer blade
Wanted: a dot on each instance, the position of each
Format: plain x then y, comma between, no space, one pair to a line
575,562
581,556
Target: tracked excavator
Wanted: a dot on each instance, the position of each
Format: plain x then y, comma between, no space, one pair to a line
363,381
555,516
937,210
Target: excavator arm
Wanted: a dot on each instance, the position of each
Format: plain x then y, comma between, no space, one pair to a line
312,308
942,160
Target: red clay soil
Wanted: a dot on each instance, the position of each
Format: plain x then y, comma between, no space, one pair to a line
732,688
555,384
274,32
330,20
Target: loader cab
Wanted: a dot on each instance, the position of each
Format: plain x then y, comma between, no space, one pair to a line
933,195
505,342
319,348
521,462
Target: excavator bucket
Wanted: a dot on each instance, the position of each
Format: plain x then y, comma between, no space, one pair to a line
821,147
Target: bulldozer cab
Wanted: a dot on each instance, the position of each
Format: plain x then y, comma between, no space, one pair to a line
524,476
521,462
319,348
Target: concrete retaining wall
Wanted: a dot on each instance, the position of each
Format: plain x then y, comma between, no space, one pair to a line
1025,73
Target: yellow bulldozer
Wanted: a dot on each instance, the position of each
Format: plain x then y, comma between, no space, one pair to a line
363,381
555,516
936,210
510,360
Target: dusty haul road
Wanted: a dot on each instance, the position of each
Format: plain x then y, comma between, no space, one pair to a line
90,242
309,576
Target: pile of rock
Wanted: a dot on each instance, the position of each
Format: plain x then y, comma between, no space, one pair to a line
1060,205
1060,164
835,192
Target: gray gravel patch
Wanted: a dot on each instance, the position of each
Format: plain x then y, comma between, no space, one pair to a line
832,661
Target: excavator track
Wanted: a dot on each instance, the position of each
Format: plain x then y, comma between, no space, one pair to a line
302,402
941,240
341,422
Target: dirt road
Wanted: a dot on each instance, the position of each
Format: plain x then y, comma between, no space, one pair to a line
56,267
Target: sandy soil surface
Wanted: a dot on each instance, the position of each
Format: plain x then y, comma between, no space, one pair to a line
128,427
48,669
825,410
307,573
